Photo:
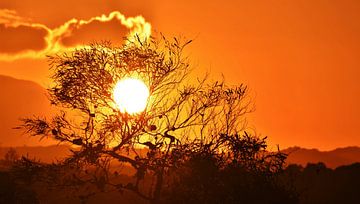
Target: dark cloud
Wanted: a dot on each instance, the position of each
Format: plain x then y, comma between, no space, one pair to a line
96,31
22,38
54,13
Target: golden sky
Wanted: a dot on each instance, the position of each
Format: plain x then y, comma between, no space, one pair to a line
300,58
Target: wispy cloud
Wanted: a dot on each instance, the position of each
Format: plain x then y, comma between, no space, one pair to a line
10,17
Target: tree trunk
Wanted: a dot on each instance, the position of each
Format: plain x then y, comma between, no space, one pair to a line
158,187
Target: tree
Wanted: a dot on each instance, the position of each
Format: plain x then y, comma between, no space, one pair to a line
184,116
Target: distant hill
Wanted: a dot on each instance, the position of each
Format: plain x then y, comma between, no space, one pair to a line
332,159
20,98
46,154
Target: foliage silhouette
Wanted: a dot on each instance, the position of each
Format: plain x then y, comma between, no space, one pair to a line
187,122
245,174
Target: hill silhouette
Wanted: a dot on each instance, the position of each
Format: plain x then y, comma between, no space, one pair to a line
45,154
332,159
20,98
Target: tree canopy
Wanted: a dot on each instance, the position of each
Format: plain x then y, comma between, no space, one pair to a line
185,116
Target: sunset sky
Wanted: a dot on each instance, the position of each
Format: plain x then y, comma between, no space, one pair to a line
301,59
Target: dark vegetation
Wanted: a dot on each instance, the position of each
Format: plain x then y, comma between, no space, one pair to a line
316,183
202,181
190,145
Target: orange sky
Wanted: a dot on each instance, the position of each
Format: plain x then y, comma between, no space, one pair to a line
301,58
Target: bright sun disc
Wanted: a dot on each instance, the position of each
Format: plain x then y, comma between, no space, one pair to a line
131,95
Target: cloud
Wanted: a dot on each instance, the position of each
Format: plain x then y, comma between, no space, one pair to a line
96,31
22,38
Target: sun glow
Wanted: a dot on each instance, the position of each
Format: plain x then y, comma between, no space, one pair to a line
131,95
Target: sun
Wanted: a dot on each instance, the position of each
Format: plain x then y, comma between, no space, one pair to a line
131,95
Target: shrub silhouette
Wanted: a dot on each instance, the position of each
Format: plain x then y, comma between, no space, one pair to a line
11,156
245,174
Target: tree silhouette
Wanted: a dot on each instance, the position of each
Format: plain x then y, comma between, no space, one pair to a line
185,118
